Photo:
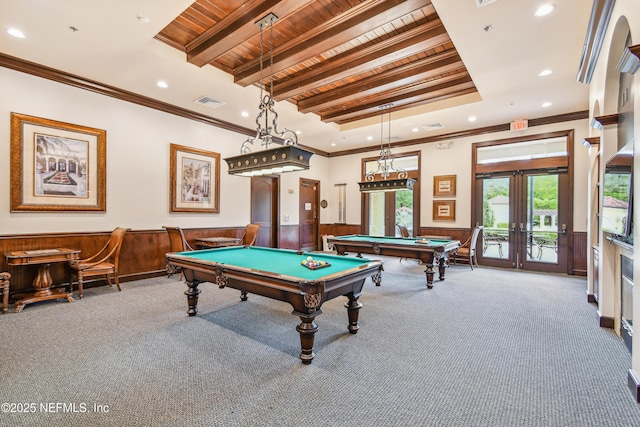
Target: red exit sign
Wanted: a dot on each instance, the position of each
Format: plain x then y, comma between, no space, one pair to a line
519,124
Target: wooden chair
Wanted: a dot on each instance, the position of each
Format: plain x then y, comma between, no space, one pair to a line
404,232
104,263
467,250
178,244
4,288
250,235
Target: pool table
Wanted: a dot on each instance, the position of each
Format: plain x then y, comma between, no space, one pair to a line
279,274
432,252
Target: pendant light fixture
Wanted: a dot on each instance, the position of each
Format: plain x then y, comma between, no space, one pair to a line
287,157
385,167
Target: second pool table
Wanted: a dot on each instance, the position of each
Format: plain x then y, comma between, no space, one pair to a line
279,274
432,252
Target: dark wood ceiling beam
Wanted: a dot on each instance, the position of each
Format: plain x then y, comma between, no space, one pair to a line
235,28
343,28
396,96
402,99
388,51
407,74
376,113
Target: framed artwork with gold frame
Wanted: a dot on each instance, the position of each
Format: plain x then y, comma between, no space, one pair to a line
57,166
195,180
444,185
444,210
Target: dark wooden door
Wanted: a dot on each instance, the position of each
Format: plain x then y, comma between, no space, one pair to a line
265,200
309,214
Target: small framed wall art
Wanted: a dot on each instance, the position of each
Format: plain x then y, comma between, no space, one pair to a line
195,180
444,210
444,185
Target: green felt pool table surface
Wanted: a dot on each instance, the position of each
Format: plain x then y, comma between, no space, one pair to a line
276,261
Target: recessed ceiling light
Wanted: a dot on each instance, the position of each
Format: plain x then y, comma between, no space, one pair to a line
244,114
546,104
415,130
298,132
143,19
472,118
16,33
545,9
162,84
545,72
369,138
333,144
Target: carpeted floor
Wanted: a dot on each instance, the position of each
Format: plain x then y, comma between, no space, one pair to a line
483,348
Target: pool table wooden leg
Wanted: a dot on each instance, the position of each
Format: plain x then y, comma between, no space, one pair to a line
429,271
353,310
192,296
307,330
441,267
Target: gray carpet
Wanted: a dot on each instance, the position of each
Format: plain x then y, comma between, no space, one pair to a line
483,348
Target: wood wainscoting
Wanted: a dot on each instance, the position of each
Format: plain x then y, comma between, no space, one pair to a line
142,256
580,253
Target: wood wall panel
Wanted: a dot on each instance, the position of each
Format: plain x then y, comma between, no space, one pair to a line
461,234
580,253
289,237
143,252
340,229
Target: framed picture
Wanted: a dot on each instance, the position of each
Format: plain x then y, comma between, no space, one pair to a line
57,166
195,180
444,210
444,185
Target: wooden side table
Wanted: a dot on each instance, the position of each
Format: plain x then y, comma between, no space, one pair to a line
43,281
216,242
4,287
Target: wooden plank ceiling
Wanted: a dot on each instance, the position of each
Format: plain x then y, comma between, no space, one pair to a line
339,59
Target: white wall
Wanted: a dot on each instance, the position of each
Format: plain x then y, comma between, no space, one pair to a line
603,96
138,141
457,161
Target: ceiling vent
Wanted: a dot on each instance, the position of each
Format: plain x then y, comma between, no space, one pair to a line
480,3
209,102
433,126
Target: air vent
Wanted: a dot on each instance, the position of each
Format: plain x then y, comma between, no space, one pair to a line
209,102
480,3
393,138
433,126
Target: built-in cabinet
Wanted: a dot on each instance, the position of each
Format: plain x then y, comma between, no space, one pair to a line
595,279
626,297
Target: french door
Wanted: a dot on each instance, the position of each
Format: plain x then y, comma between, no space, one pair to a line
385,210
526,219
523,197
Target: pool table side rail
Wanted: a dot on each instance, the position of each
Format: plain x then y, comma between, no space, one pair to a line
394,242
206,266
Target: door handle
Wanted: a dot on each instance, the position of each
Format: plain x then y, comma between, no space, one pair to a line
522,230
513,227
564,229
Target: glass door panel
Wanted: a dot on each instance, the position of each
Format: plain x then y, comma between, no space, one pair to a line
377,213
403,211
496,213
387,210
542,218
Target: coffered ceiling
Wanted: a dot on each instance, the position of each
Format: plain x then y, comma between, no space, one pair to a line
341,60
439,62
